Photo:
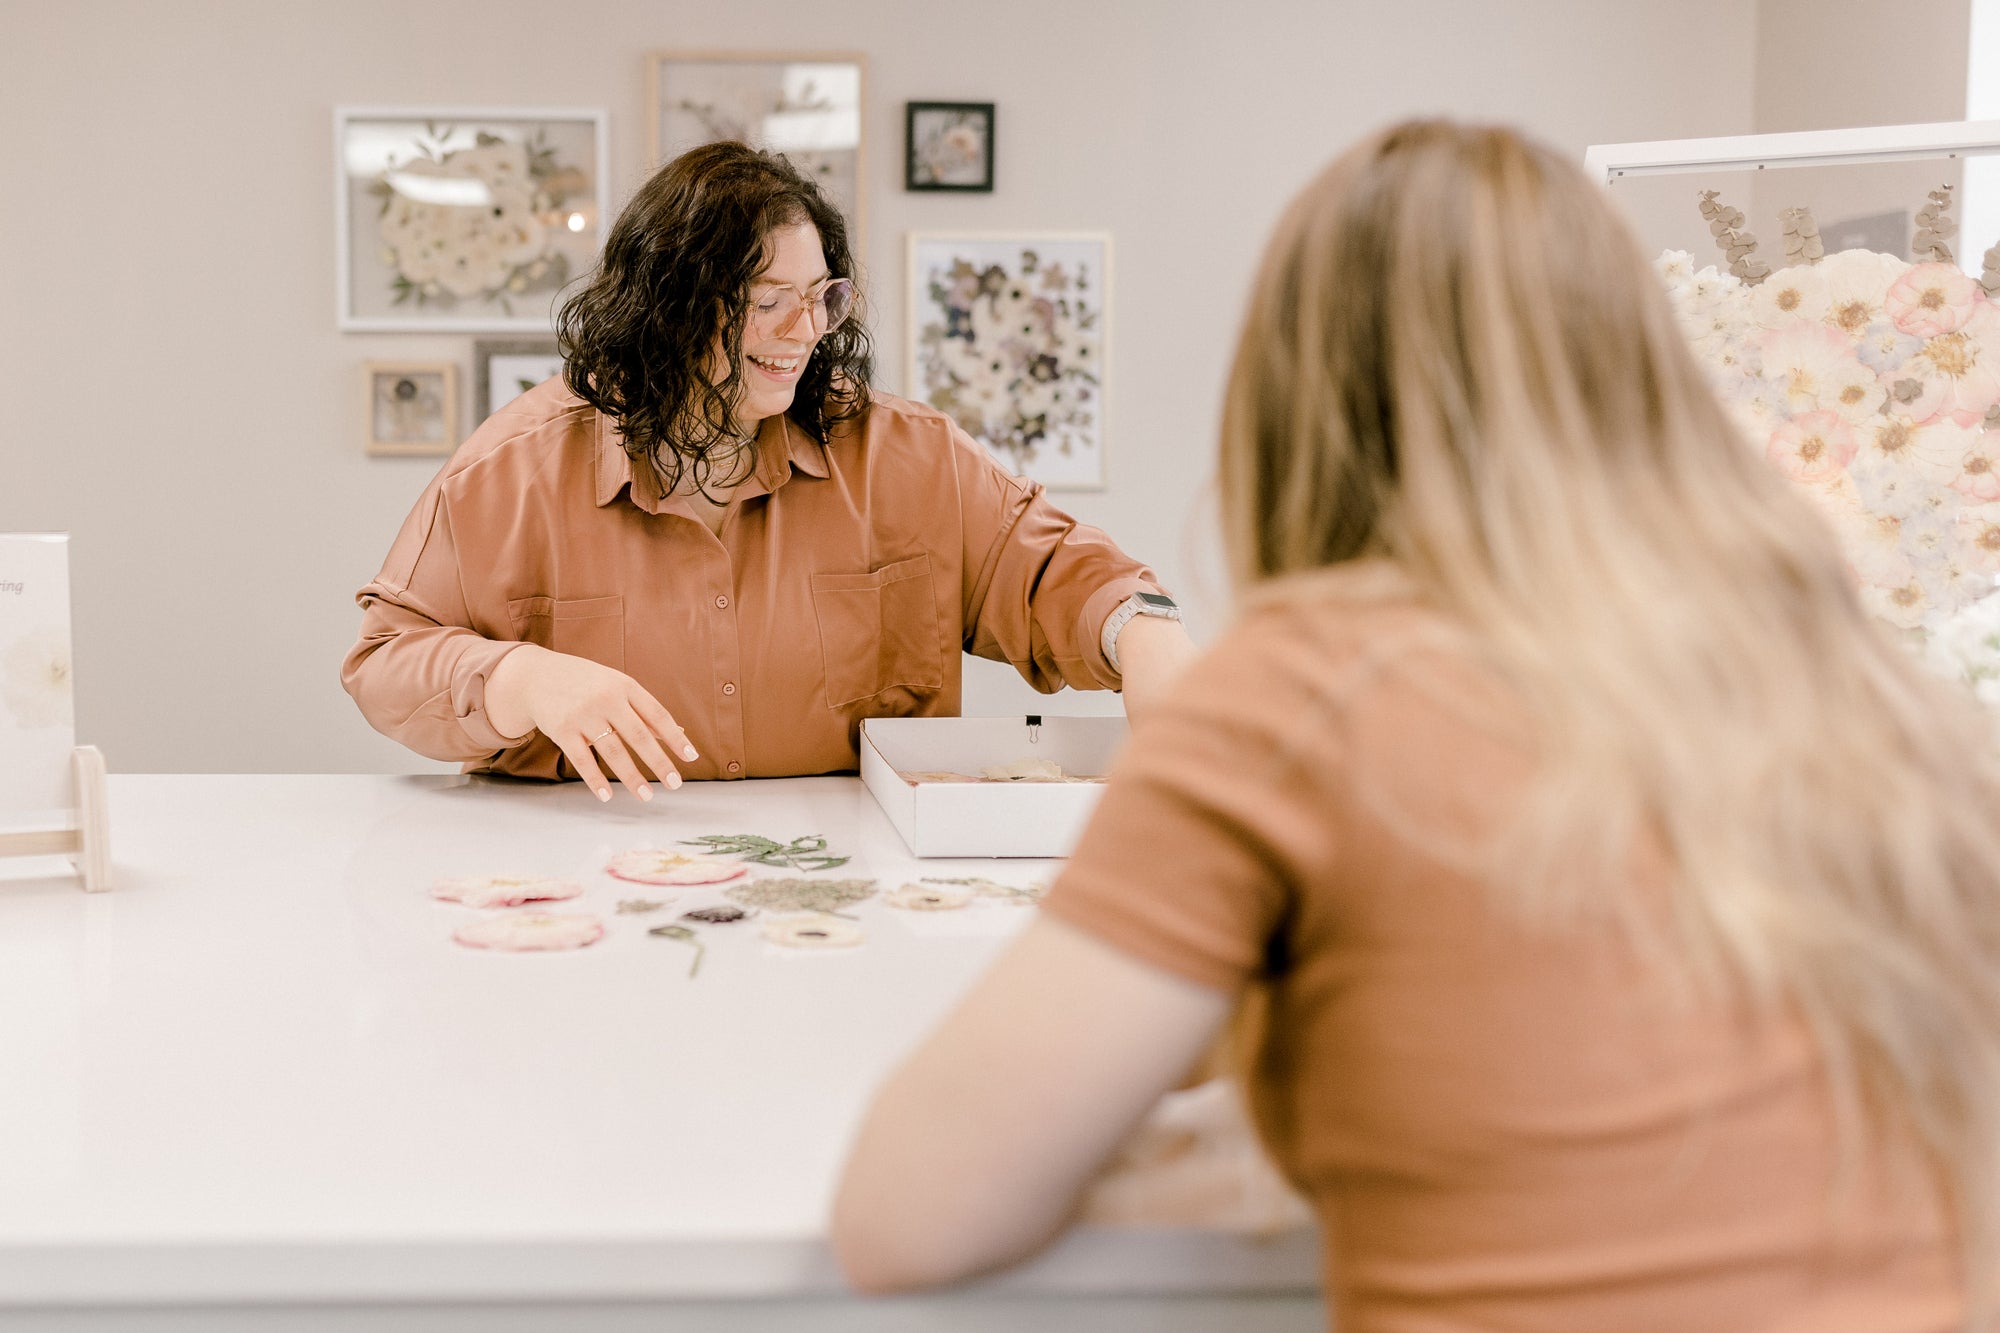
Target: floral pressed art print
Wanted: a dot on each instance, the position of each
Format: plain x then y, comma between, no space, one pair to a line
1008,337
465,223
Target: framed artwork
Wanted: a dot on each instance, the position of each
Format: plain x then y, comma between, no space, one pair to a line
464,220
1009,334
411,407
804,105
504,369
948,146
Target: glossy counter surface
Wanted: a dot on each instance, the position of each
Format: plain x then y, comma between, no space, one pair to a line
259,1070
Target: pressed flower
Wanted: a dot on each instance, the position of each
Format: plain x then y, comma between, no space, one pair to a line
1787,295
1809,362
1931,299
1812,447
1978,478
1856,285
35,680
1958,373
1978,532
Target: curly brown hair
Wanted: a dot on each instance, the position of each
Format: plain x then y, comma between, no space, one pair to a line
637,341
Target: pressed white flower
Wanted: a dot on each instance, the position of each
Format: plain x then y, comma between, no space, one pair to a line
1928,454
35,679
1965,646
1855,285
1814,364
1675,267
1885,349
1978,532
1789,294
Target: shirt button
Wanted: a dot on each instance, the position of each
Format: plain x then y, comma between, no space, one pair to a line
729,687
722,603
735,767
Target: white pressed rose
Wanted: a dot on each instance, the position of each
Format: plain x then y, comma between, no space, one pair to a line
1675,267
35,679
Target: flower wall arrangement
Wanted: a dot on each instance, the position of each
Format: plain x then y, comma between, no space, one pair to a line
465,221
1008,336
1873,384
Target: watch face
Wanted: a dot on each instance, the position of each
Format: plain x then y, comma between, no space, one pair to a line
1156,601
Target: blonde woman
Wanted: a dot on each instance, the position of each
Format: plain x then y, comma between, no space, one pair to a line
1627,905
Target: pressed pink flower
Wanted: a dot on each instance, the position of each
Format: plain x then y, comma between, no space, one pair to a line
1931,299
1979,537
1812,447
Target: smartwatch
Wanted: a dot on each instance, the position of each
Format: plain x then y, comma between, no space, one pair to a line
1138,604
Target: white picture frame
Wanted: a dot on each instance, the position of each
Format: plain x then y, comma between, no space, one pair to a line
464,220
808,105
1039,405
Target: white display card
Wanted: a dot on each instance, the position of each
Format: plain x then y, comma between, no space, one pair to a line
37,709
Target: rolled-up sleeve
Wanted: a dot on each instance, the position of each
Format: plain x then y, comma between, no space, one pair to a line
418,670
1038,584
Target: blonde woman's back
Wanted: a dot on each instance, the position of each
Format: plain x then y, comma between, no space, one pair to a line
1504,1122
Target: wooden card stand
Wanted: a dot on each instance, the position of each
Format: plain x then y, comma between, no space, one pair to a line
88,845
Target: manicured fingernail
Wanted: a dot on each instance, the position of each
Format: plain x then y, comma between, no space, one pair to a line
687,752
673,779
645,793
604,793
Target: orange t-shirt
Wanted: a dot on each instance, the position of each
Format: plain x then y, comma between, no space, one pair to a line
1502,1125
846,581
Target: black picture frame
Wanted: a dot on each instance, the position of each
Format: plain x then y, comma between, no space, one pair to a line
925,127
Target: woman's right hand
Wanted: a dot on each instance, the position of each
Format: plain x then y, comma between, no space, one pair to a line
590,711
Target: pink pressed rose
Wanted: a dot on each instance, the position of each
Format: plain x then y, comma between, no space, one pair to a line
1931,299
1812,447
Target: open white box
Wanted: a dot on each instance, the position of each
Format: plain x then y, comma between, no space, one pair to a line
1042,819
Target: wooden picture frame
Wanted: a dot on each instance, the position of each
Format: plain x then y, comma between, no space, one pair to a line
410,408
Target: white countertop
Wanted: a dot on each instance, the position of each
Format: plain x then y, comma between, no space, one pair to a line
260,1069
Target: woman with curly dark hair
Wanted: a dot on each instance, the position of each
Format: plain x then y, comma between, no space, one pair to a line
710,548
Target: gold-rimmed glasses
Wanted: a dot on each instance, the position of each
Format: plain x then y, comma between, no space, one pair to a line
775,307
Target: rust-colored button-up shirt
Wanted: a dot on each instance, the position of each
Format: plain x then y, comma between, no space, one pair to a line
845,582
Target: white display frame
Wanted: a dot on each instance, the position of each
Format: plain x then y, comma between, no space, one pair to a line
1803,148
344,117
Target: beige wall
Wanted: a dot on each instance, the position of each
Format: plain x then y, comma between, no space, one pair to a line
179,399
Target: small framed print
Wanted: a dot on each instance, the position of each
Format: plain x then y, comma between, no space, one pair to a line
505,368
411,407
948,146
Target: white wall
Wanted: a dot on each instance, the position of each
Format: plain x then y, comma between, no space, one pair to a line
178,398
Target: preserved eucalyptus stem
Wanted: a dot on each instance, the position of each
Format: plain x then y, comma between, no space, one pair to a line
1725,225
1934,227
1801,236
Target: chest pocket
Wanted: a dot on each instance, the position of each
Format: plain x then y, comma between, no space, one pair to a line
878,631
592,627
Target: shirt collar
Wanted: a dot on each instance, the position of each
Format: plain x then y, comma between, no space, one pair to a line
781,447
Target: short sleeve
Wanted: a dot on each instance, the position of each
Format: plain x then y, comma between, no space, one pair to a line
1214,819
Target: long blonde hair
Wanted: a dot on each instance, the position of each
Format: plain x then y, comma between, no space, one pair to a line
1457,359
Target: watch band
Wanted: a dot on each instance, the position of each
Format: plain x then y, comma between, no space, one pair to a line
1138,604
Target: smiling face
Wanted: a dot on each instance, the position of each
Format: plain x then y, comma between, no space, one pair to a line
775,357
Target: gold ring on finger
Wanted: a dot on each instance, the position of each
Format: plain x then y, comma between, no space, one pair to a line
602,734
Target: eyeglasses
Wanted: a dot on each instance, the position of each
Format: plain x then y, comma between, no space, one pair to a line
830,303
